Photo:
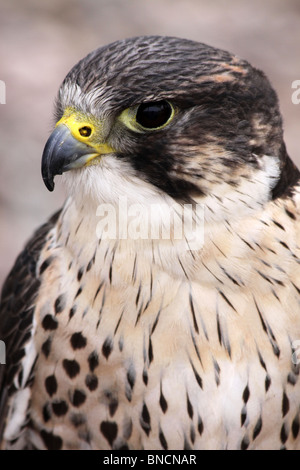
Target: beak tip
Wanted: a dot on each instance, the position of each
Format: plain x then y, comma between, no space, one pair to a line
49,183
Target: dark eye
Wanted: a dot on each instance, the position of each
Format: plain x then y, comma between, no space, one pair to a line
85,131
154,114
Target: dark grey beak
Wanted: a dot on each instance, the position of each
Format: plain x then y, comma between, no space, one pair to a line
63,153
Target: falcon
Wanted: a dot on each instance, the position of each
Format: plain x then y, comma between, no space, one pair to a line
116,339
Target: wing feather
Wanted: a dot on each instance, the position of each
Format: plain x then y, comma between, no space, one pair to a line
16,312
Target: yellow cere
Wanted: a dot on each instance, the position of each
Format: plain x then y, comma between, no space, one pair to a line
86,130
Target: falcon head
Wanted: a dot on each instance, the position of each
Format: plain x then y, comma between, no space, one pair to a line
162,117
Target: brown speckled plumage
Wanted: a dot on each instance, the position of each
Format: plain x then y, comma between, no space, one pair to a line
139,344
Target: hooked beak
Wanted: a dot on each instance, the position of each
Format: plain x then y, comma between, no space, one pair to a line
63,152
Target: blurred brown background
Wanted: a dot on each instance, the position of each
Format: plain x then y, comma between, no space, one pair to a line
40,40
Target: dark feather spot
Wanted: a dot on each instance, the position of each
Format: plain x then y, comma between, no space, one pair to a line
79,274
20,377
78,226
163,402
297,288
51,441
71,367
263,324
107,347
295,427
78,341
284,244
113,405
290,214
283,434
246,394
257,428
78,398
217,373
186,445
197,377
109,430
145,377
72,311
97,291
193,314
243,415
145,420
60,303
128,393
189,408
78,292
278,224
138,295
93,361
219,330
46,347
59,407
131,375
155,321
51,385
200,425
292,378
227,300
266,278
118,323
66,244
91,381
285,404
85,311
46,412
139,314
150,351
262,362
162,440
49,322
121,343
46,264
122,446
77,419
90,264
245,443
192,434
267,382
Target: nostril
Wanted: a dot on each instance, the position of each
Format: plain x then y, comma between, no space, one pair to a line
85,131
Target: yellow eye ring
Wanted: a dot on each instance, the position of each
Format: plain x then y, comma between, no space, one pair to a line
148,116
